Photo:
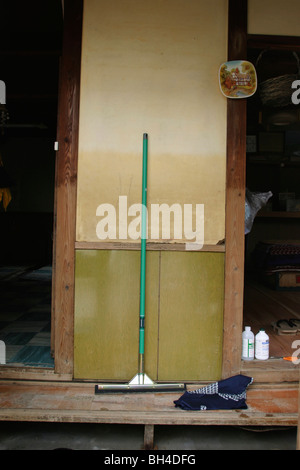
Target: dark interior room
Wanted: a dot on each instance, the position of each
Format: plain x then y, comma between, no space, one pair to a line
30,49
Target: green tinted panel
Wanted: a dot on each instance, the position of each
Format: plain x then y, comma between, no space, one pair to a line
191,316
107,314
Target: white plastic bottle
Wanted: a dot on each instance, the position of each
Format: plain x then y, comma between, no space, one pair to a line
262,345
248,344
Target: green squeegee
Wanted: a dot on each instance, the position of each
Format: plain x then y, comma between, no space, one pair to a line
141,382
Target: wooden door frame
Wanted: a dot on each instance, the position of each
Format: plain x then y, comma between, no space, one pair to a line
66,190
66,183
235,199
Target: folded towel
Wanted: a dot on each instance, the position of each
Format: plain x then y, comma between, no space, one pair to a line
226,394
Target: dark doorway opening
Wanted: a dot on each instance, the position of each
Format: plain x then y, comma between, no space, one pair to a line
30,49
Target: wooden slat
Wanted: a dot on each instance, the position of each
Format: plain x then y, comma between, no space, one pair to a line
235,199
194,418
66,184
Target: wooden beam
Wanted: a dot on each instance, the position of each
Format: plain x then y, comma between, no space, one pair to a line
235,199
66,184
279,43
151,246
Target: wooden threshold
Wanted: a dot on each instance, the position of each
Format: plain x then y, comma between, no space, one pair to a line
32,373
151,246
272,371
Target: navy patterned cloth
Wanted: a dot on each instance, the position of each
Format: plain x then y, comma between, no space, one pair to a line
226,394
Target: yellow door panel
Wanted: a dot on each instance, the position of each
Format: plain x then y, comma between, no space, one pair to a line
183,322
191,316
107,314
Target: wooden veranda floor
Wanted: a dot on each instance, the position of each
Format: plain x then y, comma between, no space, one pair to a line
73,402
272,399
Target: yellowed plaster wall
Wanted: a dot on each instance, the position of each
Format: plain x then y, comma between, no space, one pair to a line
274,17
152,66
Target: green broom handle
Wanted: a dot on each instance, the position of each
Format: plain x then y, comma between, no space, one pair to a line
143,247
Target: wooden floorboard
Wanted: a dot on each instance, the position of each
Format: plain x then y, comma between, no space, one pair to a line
263,306
63,402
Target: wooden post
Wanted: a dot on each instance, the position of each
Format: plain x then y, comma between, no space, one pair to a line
65,186
149,436
235,199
